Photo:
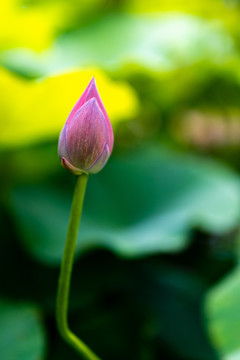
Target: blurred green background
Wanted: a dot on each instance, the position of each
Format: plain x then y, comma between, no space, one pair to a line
157,271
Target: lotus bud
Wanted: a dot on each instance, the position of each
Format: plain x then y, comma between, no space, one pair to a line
86,140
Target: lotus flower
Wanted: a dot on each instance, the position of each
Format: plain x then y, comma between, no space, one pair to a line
86,140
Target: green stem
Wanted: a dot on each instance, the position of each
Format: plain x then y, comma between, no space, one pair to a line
66,271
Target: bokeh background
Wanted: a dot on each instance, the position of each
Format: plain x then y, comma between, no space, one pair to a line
157,266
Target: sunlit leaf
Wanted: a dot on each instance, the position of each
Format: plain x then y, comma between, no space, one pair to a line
37,110
158,43
226,10
222,309
140,204
23,25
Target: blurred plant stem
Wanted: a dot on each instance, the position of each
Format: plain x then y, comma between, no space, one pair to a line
66,270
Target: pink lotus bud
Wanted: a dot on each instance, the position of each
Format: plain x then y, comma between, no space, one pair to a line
86,140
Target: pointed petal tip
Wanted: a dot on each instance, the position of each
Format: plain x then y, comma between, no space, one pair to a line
92,102
92,81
